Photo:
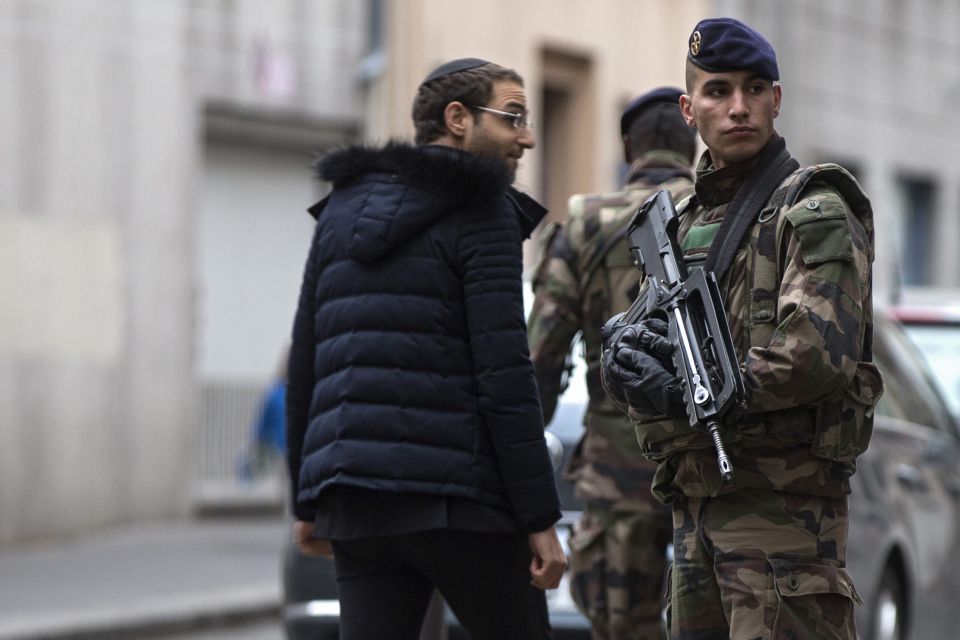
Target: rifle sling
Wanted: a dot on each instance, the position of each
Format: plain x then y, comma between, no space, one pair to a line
773,166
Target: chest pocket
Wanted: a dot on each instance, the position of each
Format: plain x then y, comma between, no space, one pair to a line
699,238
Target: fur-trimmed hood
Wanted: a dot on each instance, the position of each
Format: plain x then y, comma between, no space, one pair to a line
443,179
444,171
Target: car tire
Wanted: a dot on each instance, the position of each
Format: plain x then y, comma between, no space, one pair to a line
888,611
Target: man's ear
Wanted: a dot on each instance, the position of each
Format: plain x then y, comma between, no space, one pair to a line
457,118
686,110
777,97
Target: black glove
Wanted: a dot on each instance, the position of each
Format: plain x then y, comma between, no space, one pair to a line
610,327
652,336
640,378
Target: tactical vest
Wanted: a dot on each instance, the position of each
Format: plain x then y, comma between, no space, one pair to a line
838,429
608,279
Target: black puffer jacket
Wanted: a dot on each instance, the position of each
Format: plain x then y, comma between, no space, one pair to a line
409,370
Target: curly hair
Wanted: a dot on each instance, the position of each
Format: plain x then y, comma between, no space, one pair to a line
471,87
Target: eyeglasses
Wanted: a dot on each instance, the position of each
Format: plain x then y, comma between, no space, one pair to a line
518,120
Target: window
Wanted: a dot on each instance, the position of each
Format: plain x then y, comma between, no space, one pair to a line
917,217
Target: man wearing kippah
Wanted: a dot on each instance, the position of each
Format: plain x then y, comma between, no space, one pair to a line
415,436
618,550
763,554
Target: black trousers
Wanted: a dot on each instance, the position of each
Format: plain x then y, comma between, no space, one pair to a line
385,585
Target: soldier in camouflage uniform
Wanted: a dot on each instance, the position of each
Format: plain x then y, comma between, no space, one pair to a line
618,550
761,555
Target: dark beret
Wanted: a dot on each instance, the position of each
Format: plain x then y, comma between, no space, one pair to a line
460,64
669,95
725,44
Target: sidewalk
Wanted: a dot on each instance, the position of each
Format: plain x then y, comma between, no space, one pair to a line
128,581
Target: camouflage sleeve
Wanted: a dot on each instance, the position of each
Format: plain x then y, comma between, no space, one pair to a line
823,297
555,317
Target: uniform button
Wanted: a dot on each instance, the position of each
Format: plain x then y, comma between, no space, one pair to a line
793,582
812,204
763,316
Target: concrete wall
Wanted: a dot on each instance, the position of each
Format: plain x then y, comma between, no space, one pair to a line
96,131
106,109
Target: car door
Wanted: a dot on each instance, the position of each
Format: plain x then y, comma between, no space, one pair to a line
920,453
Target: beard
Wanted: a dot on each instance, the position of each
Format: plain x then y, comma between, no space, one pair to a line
483,144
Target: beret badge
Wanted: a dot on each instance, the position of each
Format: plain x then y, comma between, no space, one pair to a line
695,40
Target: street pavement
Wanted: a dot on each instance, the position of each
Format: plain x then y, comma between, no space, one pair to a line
140,581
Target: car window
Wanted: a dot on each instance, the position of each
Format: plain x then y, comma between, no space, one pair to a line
909,392
940,345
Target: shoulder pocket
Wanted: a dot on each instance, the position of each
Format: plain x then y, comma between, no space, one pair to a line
822,229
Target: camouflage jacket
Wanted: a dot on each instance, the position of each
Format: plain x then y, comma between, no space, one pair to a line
585,276
798,301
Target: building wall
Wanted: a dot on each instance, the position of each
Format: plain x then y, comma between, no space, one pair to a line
107,113
94,371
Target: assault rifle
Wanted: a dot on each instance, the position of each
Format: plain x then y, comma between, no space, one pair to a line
689,300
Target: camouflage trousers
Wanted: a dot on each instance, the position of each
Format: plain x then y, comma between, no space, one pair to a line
618,571
761,564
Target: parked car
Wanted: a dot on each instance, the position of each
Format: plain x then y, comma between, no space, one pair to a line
935,329
904,538
904,542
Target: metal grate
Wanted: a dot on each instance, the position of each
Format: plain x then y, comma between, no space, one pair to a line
229,473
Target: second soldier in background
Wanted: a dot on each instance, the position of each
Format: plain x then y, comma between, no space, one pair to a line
618,550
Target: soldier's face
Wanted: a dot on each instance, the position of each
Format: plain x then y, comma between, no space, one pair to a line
733,112
494,135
